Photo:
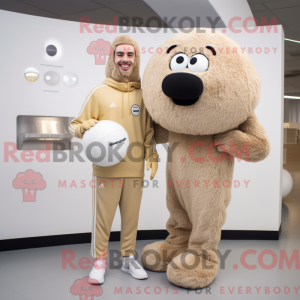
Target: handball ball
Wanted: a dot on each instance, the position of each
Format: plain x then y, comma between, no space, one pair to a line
100,140
287,183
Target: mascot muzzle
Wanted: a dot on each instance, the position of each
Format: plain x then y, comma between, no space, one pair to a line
183,88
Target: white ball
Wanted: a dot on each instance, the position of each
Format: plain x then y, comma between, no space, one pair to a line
287,183
99,141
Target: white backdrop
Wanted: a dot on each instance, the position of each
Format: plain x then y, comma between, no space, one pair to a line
69,210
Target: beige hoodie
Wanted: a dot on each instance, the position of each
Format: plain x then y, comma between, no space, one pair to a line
121,102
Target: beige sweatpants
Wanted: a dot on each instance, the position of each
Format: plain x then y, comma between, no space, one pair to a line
108,193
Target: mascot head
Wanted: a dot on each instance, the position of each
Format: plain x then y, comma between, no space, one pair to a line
200,84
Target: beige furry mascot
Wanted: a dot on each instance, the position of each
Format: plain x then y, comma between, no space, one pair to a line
201,92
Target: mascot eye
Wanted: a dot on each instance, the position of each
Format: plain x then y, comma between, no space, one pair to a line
179,62
198,63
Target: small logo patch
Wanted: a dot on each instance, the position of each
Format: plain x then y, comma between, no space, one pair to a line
102,186
113,105
135,110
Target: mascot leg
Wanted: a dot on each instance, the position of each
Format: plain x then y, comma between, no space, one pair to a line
156,256
198,266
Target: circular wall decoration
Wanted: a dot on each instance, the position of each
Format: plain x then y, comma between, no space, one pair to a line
51,50
51,78
31,74
70,79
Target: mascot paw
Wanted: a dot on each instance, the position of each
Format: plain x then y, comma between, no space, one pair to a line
156,256
223,140
189,270
220,141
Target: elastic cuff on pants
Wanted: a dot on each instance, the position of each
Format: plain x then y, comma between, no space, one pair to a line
125,253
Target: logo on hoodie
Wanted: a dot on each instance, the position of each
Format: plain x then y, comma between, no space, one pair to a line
135,110
100,49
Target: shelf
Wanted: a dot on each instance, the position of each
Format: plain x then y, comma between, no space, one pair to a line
26,136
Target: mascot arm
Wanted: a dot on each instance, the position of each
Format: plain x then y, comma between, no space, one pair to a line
248,142
161,135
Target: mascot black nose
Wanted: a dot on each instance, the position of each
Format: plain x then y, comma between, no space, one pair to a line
183,88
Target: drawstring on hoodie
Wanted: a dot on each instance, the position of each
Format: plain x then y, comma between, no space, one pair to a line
128,98
123,100
122,105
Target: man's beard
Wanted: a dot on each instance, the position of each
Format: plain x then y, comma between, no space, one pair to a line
126,73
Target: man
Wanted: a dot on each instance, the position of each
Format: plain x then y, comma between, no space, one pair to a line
119,99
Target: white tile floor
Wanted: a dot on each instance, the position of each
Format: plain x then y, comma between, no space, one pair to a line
38,274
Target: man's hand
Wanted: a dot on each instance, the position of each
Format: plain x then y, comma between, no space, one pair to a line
86,125
152,162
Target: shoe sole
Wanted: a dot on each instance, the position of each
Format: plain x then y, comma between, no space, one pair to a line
128,272
94,281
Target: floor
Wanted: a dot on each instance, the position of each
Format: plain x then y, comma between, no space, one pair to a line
42,274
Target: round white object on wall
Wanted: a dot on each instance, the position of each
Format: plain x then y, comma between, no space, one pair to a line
100,141
70,79
31,74
51,78
287,183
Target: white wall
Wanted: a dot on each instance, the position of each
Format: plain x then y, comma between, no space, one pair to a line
69,210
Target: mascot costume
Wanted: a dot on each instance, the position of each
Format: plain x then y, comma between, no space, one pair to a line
201,92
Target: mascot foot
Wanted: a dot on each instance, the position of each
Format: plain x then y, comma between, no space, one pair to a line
192,271
156,256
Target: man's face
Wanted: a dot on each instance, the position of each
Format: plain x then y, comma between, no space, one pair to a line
124,58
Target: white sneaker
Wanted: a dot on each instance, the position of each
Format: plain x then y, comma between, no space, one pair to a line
97,273
131,266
